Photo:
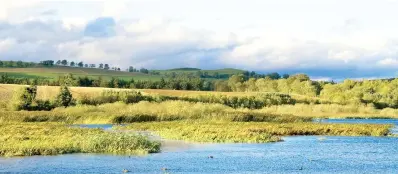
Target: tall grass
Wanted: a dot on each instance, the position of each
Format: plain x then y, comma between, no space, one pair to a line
332,111
26,139
252,132
145,111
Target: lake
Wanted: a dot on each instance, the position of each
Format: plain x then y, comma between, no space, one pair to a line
300,154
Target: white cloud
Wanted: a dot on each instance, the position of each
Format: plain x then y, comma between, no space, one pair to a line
388,62
6,44
114,8
261,35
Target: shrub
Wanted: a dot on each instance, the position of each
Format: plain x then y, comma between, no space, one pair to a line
64,98
23,98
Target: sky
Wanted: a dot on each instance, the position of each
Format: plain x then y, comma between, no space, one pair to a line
328,39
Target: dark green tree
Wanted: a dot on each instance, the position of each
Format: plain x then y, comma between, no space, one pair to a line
64,98
106,66
64,62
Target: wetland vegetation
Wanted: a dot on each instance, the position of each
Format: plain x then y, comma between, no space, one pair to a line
27,139
250,132
35,120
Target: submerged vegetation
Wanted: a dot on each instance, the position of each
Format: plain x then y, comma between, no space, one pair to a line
27,139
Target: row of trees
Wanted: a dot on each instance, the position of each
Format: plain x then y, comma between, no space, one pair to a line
180,83
16,64
298,84
380,93
216,75
50,63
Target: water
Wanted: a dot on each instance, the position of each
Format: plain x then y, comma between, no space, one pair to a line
300,154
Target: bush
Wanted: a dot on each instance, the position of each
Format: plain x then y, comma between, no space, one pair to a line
23,98
64,98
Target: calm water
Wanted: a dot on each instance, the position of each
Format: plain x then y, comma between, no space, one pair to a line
301,154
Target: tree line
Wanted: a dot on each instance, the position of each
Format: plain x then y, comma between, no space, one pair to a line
180,83
382,93
16,64
81,64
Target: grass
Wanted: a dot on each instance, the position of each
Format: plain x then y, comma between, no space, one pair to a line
25,133
332,111
27,139
52,73
144,111
251,132
50,92
225,71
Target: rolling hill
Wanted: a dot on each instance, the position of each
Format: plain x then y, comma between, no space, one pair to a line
56,71
52,73
224,71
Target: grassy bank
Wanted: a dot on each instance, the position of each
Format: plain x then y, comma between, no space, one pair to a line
180,110
250,132
145,111
331,111
278,104
27,139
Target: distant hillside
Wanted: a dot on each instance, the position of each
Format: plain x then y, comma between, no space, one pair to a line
225,71
56,71
184,69
53,72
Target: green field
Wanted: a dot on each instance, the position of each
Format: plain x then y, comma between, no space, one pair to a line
225,71
52,73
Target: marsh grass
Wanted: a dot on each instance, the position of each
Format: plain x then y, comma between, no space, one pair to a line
27,139
305,106
250,132
50,92
332,111
146,111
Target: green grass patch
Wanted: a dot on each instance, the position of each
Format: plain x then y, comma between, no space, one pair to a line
27,139
146,111
251,132
52,73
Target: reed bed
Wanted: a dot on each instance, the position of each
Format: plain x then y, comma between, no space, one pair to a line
145,111
244,132
331,111
27,139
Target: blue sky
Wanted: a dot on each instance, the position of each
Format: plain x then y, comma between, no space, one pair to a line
328,39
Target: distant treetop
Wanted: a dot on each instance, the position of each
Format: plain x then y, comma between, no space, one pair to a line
185,69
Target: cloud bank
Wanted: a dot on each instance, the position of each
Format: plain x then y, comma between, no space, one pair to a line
326,39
